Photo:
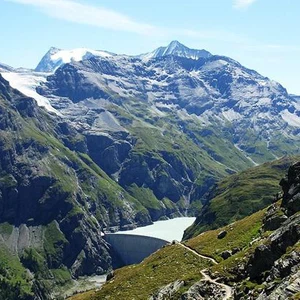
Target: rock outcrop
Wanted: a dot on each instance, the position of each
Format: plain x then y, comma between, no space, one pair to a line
168,291
291,189
204,290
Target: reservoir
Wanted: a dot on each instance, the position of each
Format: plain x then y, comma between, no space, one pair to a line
167,230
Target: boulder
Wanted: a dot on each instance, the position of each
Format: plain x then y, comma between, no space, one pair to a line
222,234
235,250
226,254
204,290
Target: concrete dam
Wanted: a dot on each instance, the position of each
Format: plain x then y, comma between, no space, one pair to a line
132,249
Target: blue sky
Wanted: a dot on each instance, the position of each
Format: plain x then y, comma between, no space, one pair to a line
261,34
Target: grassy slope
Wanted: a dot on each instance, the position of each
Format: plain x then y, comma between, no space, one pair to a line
239,235
186,140
14,279
167,265
141,281
240,195
136,282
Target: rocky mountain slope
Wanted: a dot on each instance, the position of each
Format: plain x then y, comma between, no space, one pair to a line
253,258
54,202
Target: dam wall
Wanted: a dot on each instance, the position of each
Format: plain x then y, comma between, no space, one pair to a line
132,249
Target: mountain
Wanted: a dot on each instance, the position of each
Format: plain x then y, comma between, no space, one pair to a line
177,49
296,97
55,57
171,126
254,258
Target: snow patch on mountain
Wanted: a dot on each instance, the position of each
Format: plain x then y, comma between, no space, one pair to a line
26,83
291,119
55,57
232,115
66,56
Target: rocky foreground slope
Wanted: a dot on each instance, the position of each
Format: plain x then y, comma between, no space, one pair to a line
254,258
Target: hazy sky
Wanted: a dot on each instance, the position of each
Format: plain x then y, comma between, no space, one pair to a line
261,34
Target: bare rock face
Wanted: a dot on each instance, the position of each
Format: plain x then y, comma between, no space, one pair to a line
266,254
288,232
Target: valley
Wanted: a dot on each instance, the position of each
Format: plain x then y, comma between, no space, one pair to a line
253,258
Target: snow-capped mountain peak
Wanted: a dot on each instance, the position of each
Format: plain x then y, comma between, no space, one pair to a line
55,57
177,49
77,54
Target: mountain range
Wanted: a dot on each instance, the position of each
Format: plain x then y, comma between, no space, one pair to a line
172,121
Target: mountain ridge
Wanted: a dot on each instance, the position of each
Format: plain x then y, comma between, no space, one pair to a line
55,57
